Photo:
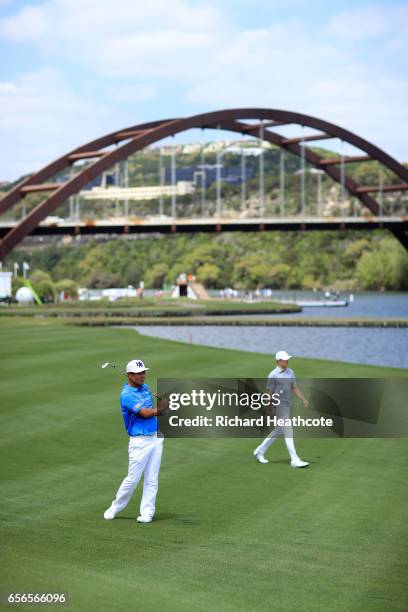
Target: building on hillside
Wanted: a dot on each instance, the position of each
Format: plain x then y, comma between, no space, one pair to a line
193,174
137,193
191,148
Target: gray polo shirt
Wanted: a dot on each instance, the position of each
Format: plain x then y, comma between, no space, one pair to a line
282,382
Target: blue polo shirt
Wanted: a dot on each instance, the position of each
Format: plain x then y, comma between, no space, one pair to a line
132,400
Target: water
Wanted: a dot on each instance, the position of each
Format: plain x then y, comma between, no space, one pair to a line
365,305
376,346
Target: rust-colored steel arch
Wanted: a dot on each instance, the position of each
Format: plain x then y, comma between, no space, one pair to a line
139,136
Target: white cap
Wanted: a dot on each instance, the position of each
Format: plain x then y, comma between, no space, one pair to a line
282,355
136,366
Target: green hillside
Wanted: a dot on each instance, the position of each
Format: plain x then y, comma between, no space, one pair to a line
345,261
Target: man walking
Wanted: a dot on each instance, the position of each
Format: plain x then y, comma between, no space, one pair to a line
282,381
145,447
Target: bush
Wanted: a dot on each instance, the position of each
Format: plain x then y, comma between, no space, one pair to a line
16,283
208,274
68,286
384,268
156,275
102,280
43,285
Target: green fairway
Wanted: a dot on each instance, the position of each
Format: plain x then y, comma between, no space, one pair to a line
229,534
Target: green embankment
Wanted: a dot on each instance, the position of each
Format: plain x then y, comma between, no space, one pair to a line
104,321
229,534
186,312
150,307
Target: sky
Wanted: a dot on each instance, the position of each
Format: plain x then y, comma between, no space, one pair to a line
73,70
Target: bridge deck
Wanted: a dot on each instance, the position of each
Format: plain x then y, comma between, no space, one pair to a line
168,226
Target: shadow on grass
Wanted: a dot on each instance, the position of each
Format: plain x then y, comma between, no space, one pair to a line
274,461
163,516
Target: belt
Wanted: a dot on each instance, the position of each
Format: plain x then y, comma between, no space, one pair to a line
152,435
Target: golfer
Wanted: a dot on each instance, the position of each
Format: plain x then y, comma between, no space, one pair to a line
145,447
282,381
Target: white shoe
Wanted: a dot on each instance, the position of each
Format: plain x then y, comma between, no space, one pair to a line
144,519
259,456
298,463
109,514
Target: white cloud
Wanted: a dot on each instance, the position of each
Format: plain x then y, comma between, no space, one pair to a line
85,25
33,99
31,24
372,22
123,38
40,119
343,71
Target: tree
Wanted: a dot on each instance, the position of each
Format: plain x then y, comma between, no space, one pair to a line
209,274
43,285
16,283
278,275
384,268
205,253
102,280
156,275
355,250
68,286
251,271
327,259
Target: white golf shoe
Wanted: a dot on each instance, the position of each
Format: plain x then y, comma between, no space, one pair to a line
298,463
109,514
259,456
144,519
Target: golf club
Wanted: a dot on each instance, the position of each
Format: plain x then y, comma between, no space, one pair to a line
112,365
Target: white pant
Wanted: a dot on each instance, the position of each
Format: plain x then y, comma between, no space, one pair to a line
286,431
145,453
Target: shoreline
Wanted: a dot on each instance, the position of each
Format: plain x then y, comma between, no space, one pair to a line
230,321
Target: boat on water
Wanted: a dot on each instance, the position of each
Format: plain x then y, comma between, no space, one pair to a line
330,299
332,303
321,303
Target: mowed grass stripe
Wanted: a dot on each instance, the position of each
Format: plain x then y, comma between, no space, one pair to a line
230,534
266,546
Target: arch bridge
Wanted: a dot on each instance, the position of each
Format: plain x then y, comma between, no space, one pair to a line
106,151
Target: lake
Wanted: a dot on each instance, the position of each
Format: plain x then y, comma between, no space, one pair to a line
376,346
365,305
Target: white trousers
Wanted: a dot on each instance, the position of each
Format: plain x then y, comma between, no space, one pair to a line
278,431
145,453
